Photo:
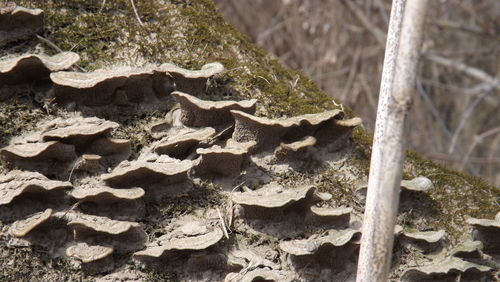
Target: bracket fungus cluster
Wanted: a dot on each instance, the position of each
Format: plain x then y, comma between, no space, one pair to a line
427,241
330,249
17,22
122,86
98,199
272,200
189,238
22,192
30,67
325,127
197,112
106,213
159,177
62,141
447,269
487,231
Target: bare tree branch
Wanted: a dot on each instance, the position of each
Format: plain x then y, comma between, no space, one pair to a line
471,71
404,39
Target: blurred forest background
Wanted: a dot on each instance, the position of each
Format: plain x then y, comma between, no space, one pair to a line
455,118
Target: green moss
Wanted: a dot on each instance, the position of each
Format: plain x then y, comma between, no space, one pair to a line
456,195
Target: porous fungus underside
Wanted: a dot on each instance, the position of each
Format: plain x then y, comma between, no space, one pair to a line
191,34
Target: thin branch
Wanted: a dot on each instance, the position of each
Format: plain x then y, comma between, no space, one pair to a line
465,117
440,121
471,71
223,225
478,139
102,5
135,12
377,33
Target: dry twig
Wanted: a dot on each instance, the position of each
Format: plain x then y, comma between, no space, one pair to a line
223,224
135,12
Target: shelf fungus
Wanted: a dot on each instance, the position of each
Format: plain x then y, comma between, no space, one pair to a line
179,145
258,274
196,112
192,81
468,249
297,149
447,269
158,178
222,161
22,227
273,201
89,136
120,86
78,131
330,216
31,67
269,133
45,157
94,258
98,199
123,86
189,238
17,22
330,249
16,183
428,241
41,229
488,232
124,236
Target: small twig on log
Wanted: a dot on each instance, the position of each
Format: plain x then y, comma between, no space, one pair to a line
135,12
231,212
223,224
49,43
102,5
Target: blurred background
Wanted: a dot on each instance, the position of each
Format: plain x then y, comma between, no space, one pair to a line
455,118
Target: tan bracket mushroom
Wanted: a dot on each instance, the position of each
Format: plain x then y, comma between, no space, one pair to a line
94,258
339,217
17,22
332,248
271,200
488,232
198,113
124,236
446,269
268,133
223,161
46,157
192,81
22,227
16,182
31,67
178,146
193,236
